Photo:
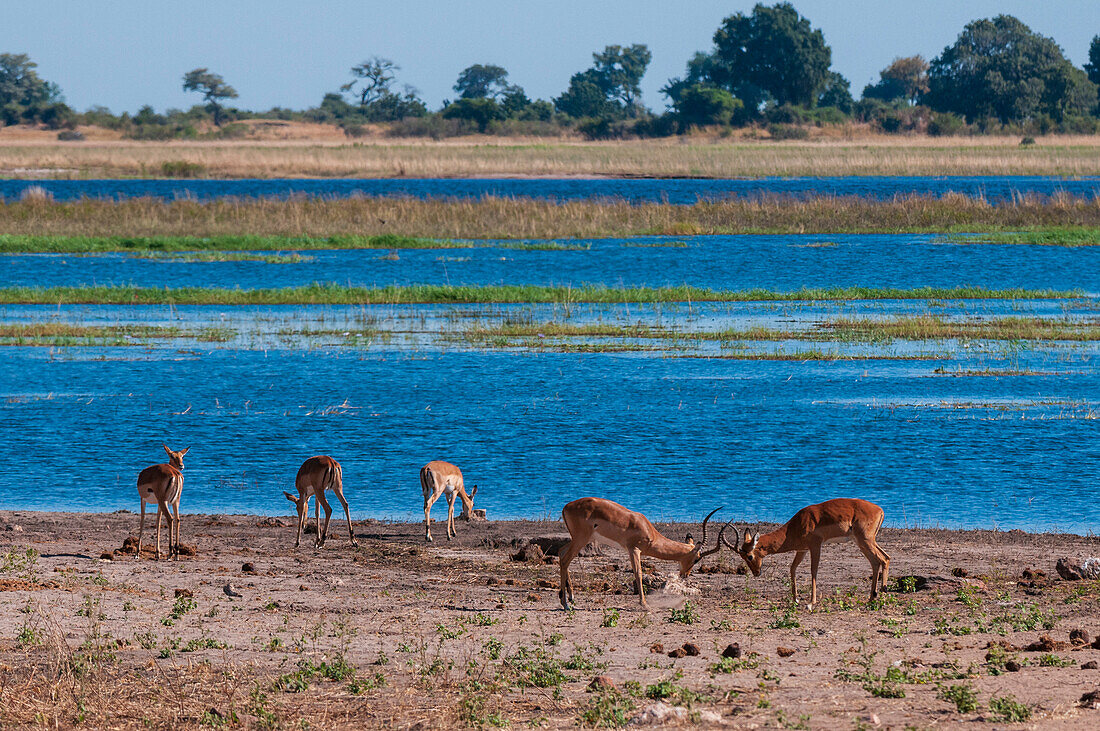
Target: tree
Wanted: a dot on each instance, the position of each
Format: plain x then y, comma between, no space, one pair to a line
483,82
1001,69
619,71
771,53
24,96
479,111
905,78
212,87
1092,68
585,97
836,93
699,104
374,76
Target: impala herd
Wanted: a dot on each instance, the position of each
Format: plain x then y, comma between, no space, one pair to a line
589,519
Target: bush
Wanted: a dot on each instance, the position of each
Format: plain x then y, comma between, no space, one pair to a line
181,169
70,135
788,132
945,124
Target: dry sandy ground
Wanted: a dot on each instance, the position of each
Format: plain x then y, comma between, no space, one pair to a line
458,634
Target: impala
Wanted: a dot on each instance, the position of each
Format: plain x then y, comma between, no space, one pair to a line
593,518
833,520
443,478
315,476
163,484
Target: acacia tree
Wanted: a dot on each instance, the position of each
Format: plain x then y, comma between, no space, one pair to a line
375,76
24,96
1000,68
619,71
1092,68
771,52
484,82
212,87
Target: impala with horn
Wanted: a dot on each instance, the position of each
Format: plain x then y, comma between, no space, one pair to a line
595,519
810,528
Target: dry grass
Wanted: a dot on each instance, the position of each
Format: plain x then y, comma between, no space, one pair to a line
525,218
693,156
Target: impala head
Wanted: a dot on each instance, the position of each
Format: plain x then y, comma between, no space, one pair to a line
176,458
467,504
700,550
747,549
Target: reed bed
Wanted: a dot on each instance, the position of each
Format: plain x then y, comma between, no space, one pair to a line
920,327
331,294
64,334
355,221
213,248
483,157
1057,236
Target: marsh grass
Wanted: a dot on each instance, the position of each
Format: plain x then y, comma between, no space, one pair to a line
205,257
63,334
257,224
1055,236
433,294
692,156
210,248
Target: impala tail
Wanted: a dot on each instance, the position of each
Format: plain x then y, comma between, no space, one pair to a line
427,484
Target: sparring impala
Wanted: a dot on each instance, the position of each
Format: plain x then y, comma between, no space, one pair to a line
833,520
443,478
315,476
595,519
163,484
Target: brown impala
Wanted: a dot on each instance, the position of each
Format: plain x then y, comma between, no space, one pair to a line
593,518
443,478
811,527
316,475
163,484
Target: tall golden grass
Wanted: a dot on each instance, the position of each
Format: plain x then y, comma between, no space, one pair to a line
526,218
480,157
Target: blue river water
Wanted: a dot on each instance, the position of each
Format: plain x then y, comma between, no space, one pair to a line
643,190
952,434
785,263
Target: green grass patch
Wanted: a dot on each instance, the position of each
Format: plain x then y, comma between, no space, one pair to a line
1055,236
332,294
58,334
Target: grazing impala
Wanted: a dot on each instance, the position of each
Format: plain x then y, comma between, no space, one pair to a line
833,520
163,484
315,476
443,478
593,518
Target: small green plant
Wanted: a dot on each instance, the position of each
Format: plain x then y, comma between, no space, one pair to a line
28,636
368,682
535,668
182,606
607,709
1054,661
447,633
610,618
968,596
128,606
727,665
554,639
482,620
148,640
962,695
493,647
787,620
206,643
1007,708
685,615
669,690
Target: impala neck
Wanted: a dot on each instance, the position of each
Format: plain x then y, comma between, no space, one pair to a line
773,542
667,549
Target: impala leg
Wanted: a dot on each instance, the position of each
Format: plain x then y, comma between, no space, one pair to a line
303,516
565,557
451,532
885,558
798,556
160,510
636,563
328,514
141,528
176,523
347,514
878,563
317,519
428,502
815,559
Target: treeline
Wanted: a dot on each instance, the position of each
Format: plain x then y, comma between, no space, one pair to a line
769,68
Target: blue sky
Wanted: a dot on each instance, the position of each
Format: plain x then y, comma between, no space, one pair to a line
125,53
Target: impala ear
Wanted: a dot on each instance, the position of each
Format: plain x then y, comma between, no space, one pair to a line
688,539
755,539
166,449
185,451
474,491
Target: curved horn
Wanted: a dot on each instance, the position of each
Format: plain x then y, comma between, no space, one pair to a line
736,538
721,540
703,542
